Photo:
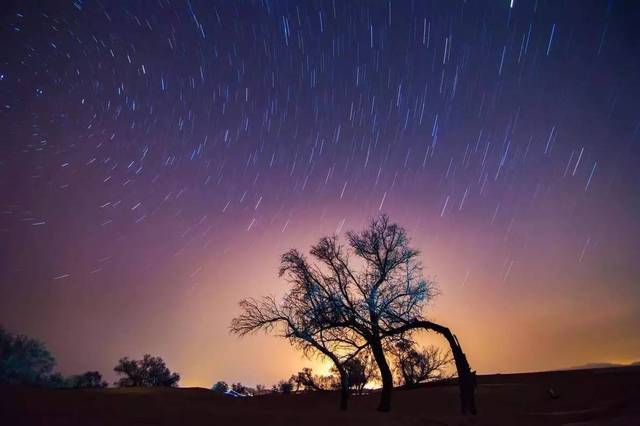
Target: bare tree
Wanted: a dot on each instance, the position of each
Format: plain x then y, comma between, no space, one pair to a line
367,302
305,380
414,366
361,370
384,298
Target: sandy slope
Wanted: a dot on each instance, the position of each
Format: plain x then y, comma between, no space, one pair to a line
587,397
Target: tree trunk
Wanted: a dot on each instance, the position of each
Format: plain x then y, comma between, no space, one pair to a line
344,378
344,389
466,377
387,377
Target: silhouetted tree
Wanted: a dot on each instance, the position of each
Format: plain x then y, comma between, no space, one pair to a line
56,380
261,390
351,309
360,371
305,380
131,369
239,387
24,360
90,379
285,386
148,372
414,366
220,387
331,381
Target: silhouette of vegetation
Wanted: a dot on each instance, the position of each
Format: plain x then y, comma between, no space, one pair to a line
27,361
239,387
24,360
415,366
366,295
305,380
150,371
294,320
261,390
330,382
360,371
55,380
284,387
220,387
88,380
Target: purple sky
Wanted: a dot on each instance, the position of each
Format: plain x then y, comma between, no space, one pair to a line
157,157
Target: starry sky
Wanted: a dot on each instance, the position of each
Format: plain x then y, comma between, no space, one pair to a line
156,158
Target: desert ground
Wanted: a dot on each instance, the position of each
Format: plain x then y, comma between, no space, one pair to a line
608,396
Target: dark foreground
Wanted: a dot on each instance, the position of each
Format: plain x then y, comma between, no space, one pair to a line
587,397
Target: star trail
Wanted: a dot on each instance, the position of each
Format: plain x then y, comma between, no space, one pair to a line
156,157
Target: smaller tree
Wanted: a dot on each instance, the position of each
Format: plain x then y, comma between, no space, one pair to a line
285,387
220,387
150,371
415,366
261,390
360,371
305,380
331,381
88,380
56,380
239,387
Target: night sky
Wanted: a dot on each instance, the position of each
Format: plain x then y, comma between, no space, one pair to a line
156,158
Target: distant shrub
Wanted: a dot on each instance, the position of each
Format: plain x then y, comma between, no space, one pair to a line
239,387
88,380
261,390
56,380
307,381
285,386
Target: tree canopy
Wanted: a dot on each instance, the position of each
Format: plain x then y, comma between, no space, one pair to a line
220,387
24,360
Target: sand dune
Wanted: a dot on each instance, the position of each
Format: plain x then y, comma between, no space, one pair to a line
585,397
